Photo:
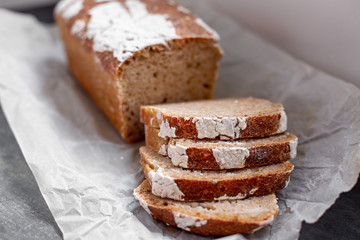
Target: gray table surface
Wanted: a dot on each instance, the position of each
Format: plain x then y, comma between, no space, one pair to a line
25,215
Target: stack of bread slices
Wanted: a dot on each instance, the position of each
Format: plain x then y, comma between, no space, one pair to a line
212,166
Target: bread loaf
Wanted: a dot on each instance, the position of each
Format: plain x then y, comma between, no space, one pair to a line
224,119
128,53
218,154
180,184
210,218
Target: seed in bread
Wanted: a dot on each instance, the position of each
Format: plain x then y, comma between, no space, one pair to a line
225,119
129,53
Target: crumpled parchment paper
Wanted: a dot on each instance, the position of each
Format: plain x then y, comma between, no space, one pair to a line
87,173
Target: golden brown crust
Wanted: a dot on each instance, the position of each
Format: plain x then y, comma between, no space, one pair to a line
213,227
210,190
261,126
203,158
259,156
257,126
99,83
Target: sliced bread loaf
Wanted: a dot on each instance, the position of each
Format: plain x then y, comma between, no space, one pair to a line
231,118
210,218
218,154
128,53
180,184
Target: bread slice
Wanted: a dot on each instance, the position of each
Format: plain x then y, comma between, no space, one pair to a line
180,184
218,154
129,53
231,118
210,218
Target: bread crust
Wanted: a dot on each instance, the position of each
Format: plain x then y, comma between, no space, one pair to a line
215,226
100,73
97,80
203,158
195,190
261,125
225,189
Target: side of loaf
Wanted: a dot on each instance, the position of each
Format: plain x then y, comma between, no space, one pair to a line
218,154
128,53
210,218
225,119
168,181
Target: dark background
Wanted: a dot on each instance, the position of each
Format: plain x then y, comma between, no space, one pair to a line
25,215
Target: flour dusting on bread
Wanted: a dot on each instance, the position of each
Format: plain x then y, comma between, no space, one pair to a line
143,204
72,9
178,155
78,27
226,127
164,186
233,157
184,222
166,130
123,31
282,123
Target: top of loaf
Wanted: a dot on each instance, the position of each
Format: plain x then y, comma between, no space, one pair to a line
124,27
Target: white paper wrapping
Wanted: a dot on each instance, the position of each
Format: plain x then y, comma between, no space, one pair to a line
87,173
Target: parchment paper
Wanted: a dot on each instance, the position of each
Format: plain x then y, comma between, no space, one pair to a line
87,173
